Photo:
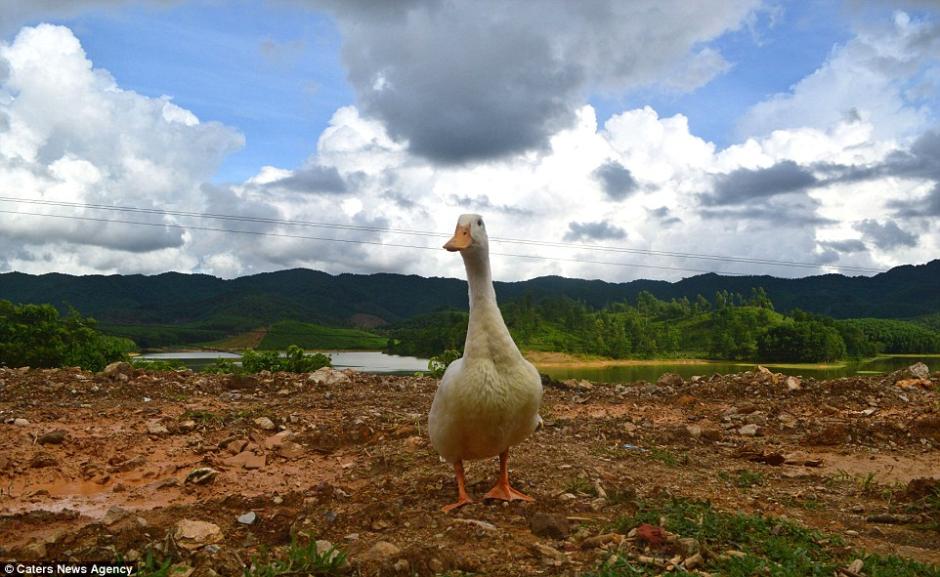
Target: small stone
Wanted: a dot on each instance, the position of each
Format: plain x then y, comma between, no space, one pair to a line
20,422
192,535
265,423
750,430
247,460
156,428
187,426
114,515
551,525
694,431
248,518
277,500
381,552
793,383
670,380
56,437
856,566
919,370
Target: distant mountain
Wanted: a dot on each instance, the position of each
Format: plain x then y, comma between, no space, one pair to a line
340,300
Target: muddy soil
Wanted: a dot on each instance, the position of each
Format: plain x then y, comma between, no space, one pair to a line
96,467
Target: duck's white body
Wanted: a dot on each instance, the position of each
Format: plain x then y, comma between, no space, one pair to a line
488,400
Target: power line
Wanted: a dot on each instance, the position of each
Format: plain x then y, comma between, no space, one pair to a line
351,241
565,245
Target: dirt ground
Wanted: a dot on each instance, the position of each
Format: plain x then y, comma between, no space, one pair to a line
95,467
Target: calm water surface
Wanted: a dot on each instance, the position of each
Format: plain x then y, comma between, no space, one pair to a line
379,362
624,374
366,361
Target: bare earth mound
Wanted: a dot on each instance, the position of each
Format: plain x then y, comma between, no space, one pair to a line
96,467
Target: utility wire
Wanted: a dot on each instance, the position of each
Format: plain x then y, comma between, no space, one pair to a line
566,245
351,241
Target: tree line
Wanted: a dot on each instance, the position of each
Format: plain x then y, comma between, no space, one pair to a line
729,326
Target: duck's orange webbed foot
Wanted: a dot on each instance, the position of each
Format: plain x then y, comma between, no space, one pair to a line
502,490
461,501
507,493
462,497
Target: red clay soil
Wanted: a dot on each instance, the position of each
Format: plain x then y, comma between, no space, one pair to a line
95,467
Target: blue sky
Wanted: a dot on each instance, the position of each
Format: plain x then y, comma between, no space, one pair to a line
271,70
720,120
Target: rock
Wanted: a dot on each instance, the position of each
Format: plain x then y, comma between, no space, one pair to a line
919,370
549,555
485,525
119,368
793,383
201,475
56,437
114,515
856,566
265,423
327,376
247,460
248,518
694,431
192,535
156,428
20,422
381,552
670,380
187,426
551,525
751,430
324,547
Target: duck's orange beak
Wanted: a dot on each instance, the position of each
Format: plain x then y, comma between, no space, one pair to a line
461,239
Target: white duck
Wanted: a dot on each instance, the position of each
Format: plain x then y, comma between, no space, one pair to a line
488,400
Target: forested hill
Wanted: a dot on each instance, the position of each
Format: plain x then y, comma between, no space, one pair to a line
313,296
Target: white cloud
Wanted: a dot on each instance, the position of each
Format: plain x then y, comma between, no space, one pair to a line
881,76
73,135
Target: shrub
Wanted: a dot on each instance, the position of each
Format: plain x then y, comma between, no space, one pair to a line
37,336
438,364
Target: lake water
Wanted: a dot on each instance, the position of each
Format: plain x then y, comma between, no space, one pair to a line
379,362
366,361
624,374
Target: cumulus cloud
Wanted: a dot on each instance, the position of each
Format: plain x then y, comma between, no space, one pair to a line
312,179
469,81
617,181
601,230
72,135
876,77
886,236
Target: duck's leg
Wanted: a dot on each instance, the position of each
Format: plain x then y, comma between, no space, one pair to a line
502,490
462,497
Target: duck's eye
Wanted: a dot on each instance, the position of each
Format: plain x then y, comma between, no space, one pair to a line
479,223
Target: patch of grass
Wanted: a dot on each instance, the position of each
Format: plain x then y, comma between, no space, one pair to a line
580,485
313,336
771,546
202,417
298,559
665,457
742,478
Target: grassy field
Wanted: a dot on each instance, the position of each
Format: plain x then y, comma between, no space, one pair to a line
311,336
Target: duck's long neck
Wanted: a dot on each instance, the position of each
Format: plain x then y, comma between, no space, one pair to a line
487,335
